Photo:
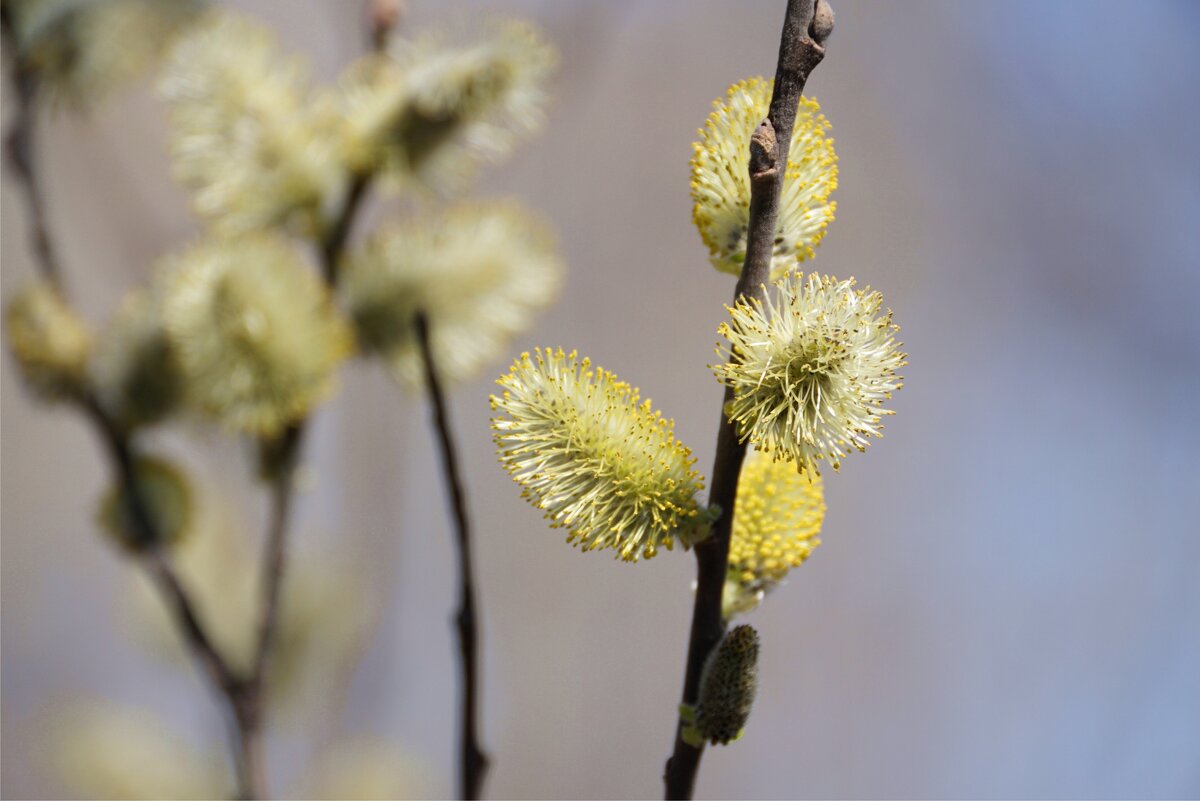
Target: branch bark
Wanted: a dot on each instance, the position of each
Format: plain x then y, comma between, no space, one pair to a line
221,674
339,233
473,763
251,702
19,152
806,25
244,694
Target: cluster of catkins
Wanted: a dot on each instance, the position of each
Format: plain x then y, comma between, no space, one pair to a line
244,324
247,324
809,369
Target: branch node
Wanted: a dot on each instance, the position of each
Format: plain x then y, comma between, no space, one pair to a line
822,22
764,151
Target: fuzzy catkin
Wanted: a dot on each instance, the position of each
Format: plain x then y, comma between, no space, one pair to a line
720,180
727,686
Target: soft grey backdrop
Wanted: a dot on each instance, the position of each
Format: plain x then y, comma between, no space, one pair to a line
1006,601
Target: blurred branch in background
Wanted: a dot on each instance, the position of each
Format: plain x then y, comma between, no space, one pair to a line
235,324
19,151
473,762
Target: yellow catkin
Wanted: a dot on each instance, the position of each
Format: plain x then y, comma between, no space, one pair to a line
247,137
48,340
776,527
720,182
436,105
479,271
255,331
810,368
594,457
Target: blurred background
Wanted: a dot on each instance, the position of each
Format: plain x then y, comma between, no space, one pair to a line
1005,604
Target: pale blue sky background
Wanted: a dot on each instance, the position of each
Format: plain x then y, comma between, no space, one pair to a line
1006,602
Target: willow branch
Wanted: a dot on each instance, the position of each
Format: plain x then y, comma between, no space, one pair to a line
147,538
244,694
286,456
339,233
286,452
19,152
288,448
805,27
473,763
275,550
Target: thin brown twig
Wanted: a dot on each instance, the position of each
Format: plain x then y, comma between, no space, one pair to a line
19,151
473,762
383,17
244,694
251,700
339,233
805,27
147,539
286,457
275,551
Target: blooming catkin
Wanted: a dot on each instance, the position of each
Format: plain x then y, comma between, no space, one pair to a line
595,458
479,271
435,105
246,138
810,369
776,527
728,684
82,51
254,330
721,181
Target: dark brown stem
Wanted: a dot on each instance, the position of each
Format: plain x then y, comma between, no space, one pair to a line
234,689
244,694
19,151
799,52
473,763
285,456
275,551
339,233
250,700
147,538
248,746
